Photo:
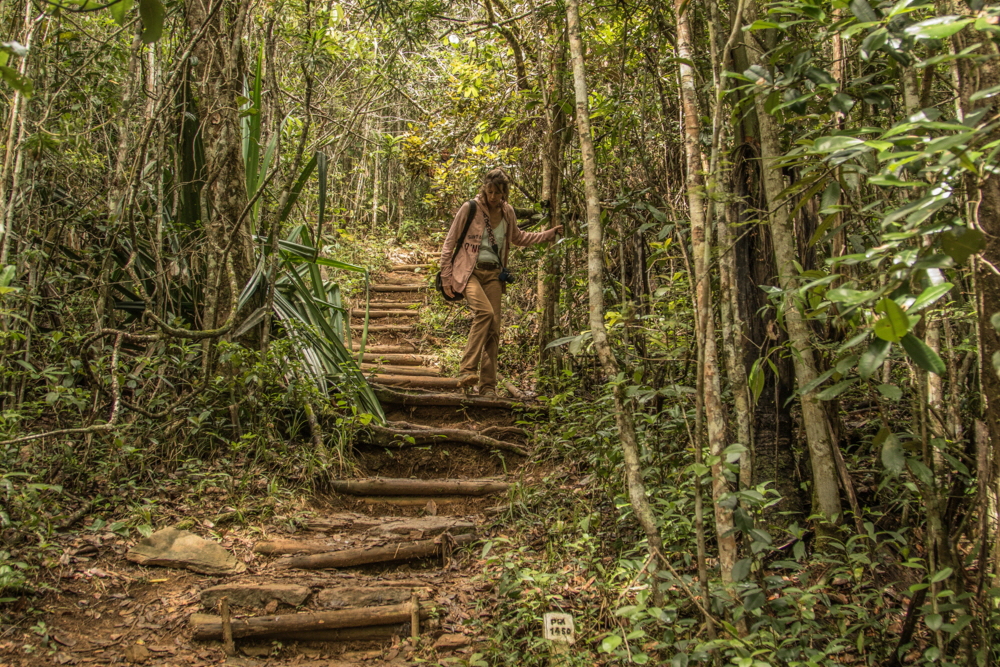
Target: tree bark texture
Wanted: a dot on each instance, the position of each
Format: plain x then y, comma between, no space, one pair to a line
826,493
217,81
595,270
715,417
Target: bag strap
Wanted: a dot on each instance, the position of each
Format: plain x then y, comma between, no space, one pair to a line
468,223
493,242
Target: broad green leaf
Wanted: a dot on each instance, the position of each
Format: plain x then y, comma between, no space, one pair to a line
939,27
15,80
984,94
152,13
741,569
890,391
929,296
851,297
941,575
922,355
920,471
894,323
873,357
836,390
836,143
933,622
119,10
996,362
610,643
863,11
893,457
962,242
994,319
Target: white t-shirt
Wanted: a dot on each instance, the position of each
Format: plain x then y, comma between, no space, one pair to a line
486,253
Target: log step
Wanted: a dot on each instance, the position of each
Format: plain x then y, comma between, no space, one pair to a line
390,396
355,557
418,487
413,501
418,287
376,328
383,349
423,371
416,381
207,627
399,312
397,359
396,305
410,267
392,529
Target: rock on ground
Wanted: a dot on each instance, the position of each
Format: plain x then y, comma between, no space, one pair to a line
180,548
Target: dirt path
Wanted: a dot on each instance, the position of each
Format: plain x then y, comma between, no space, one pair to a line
382,549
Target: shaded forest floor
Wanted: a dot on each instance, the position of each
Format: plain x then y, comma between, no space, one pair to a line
96,607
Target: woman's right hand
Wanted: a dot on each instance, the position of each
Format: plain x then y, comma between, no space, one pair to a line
448,290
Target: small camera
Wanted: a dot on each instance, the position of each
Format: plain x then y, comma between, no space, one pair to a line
506,276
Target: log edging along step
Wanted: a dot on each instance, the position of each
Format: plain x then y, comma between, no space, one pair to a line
393,397
206,626
418,487
387,554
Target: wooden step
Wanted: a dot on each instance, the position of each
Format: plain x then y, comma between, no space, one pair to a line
396,359
377,328
423,371
398,312
210,627
387,349
418,487
396,305
413,501
392,396
386,554
410,267
418,287
417,381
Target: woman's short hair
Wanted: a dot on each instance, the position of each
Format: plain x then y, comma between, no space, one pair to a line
498,180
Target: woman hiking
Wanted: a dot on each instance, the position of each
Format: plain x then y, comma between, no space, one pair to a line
476,270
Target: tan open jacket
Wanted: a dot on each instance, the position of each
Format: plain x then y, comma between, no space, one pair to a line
459,270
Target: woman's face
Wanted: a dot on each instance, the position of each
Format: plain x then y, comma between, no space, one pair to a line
493,197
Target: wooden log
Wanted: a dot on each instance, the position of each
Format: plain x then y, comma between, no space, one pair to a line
355,557
412,501
392,312
390,396
387,349
376,328
418,487
410,267
422,371
206,626
396,359
285,546
417,287
373,633
394,437
414,381
397,305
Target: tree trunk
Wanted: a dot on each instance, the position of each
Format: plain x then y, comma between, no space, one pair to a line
217,83
595,270
701,246
826,494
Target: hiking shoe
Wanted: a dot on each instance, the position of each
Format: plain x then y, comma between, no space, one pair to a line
467,379
490,392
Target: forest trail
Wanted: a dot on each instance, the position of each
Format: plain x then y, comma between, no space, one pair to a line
382,548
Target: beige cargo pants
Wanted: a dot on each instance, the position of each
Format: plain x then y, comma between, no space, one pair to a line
483,293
